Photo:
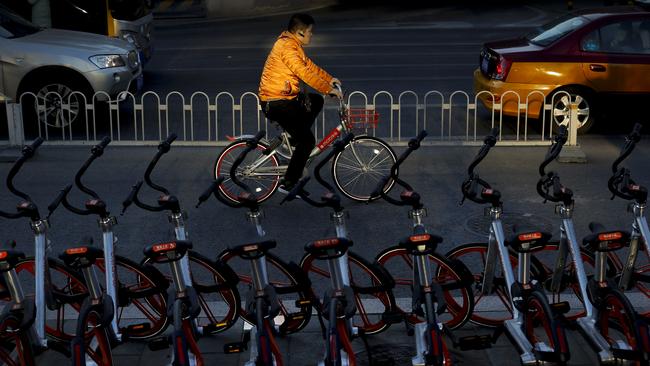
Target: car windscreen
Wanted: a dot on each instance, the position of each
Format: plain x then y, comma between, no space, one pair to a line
556,29
14,26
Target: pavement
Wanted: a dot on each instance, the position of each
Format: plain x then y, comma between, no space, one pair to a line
434,171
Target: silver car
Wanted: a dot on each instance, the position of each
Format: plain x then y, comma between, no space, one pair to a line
64,70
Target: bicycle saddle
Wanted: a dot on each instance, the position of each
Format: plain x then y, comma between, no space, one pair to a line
9,259
254,250
602,240
168,252
81,257
421,244
328,248
525,240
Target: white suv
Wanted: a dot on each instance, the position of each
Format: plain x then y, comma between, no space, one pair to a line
60,68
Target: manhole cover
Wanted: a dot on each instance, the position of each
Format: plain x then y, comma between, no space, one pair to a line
480,224
387,355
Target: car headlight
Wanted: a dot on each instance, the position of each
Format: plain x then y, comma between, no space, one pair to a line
107,61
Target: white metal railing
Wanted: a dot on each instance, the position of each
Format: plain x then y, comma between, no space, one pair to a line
457,118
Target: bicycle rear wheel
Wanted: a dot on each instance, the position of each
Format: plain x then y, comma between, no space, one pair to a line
456,286
291,287
492,308
262,181
15,346
60,324
217,294
364,162
373,297
142,298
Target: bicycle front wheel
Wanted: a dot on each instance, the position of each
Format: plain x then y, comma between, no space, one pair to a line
617,322
96,341
543,328
364,162
456,288
258,171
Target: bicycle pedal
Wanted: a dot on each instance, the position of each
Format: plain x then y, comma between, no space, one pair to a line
235,347
625,353
474,342
561,307
214,327
392,317
303,302
158,344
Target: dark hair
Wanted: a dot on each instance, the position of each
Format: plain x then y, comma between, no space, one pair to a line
299,21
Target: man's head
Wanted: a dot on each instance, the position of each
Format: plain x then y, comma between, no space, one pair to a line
301,25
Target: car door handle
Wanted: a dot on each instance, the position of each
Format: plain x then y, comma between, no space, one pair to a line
597,68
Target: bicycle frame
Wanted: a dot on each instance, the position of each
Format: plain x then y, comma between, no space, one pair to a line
496,245
110,272
41,276
640,231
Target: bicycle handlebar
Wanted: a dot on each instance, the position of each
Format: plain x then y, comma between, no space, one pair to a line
470,185
337,147
27,152
552,179
163,148
413,145
620,183
554,150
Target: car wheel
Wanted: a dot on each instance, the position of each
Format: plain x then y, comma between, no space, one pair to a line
561,108
51,96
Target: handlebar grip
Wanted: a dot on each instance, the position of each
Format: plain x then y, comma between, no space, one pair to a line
132,196
491,138
258,136
171,138
105,141
57,201
38,142
414,143
212,189
637,128
562,134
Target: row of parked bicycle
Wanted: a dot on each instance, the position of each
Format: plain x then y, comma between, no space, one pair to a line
531,298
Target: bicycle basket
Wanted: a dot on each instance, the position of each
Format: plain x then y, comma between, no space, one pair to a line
360,119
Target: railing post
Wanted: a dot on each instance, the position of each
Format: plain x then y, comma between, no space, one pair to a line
14,122
571,153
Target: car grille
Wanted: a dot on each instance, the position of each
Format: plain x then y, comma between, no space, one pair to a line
134,62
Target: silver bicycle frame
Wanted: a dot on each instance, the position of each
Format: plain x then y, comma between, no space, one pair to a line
41,250
106,224
588,322
640,232
177,219
496,244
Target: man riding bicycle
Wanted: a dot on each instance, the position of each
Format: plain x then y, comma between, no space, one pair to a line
280,96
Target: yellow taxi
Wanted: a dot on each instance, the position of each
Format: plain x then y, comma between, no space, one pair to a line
581,58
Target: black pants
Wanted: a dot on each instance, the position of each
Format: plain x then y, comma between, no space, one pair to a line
297,120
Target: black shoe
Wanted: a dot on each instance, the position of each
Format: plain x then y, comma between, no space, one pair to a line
285,188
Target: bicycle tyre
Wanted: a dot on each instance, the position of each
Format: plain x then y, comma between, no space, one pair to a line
65,282
364,162
141,290
617,320
22,347
542,325
394,259
216,284
289,286
262,186
488,315
382,298
95,332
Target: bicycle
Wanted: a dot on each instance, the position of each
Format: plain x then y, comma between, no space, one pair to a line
371,284
211,280
262,301
429,300
17,316
56,287
131,287
354,169
623,186
536,327
610,324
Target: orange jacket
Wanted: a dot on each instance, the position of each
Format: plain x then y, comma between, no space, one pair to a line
285,66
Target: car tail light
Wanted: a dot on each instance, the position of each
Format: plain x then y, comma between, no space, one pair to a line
502,68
